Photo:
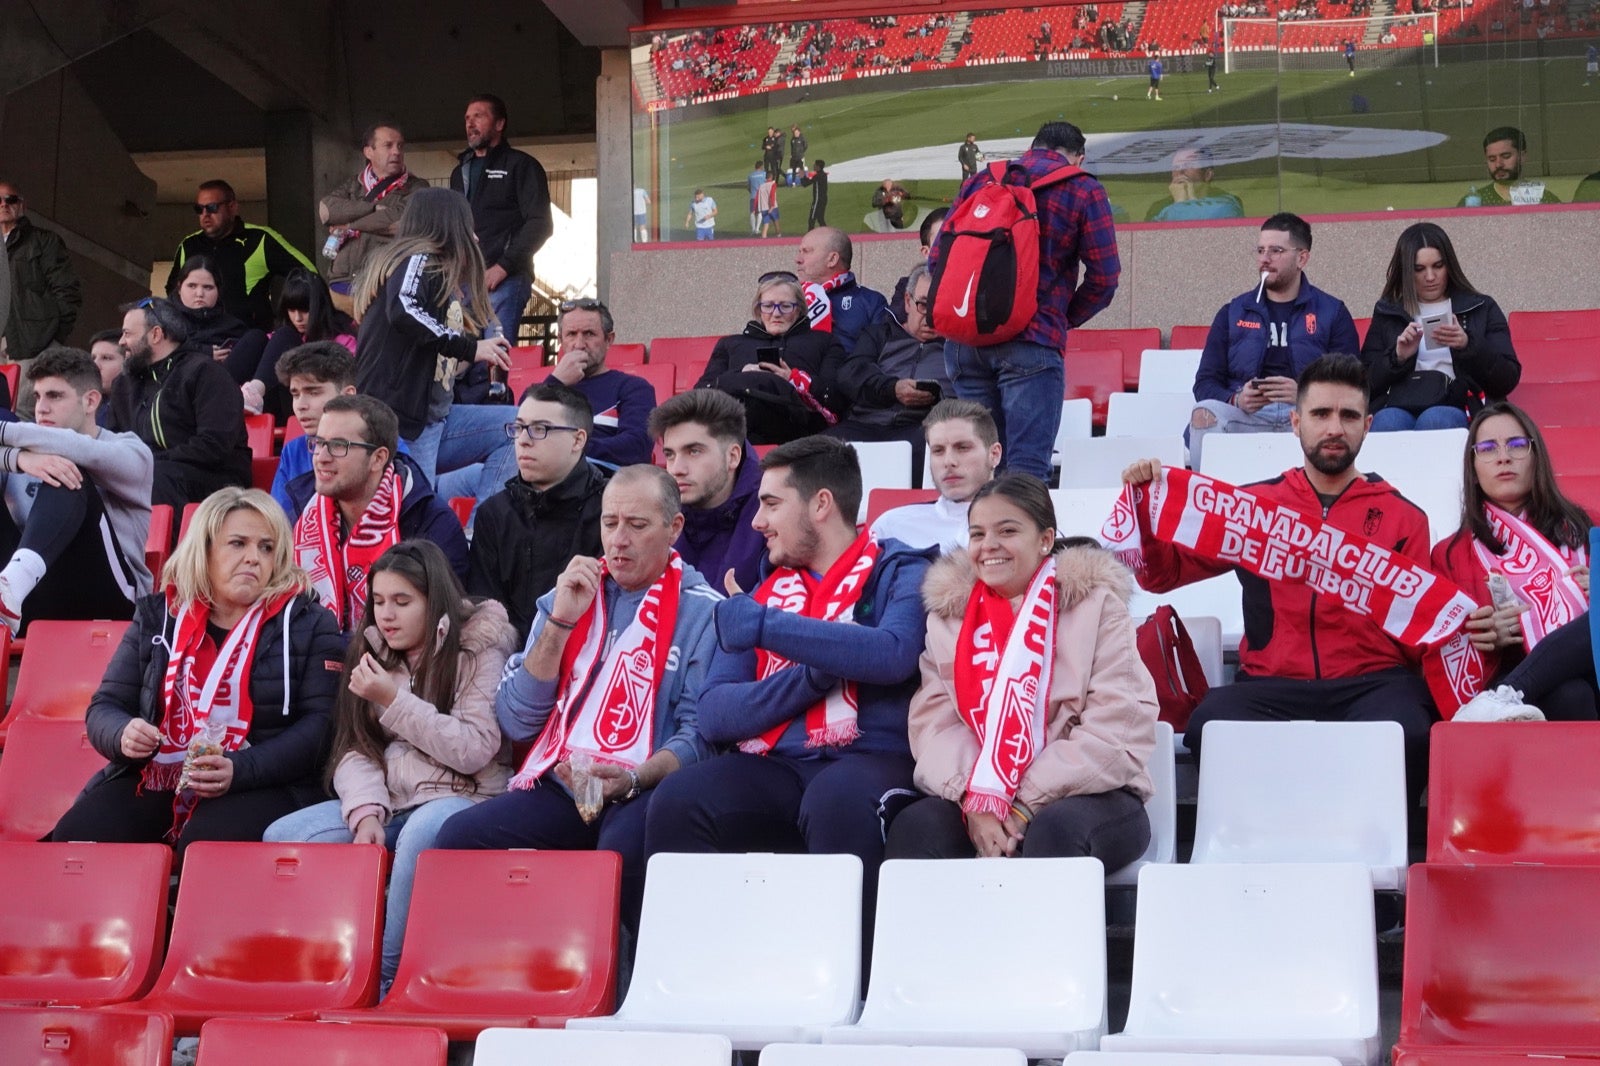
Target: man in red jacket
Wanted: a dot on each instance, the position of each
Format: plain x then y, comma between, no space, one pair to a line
1304,655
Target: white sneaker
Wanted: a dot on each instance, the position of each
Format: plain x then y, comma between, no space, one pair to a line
10,609
1503,704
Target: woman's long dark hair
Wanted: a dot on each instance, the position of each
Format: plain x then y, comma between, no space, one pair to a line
423,566
1400,287
1030,495
1558,519
305,291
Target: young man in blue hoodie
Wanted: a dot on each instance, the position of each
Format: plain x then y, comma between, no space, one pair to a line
811,680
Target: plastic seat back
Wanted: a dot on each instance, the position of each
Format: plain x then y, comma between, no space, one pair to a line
881,500
1036,933
1425,465
1560,403
47,764
1077,423
258,433
83,923
881,1055
158,542
1093,374
718,950
1148,414
1161,807
1240,458
270,930
1268,959
1188,337
62,1036
550,954
1082,512
629,355
12,372
1170,370
1573,449
258,1042
1502,957
1566,359
884,465
1510,795
1185,1058
568,1047
689,354
1130,342
663,377
1529,326
1304,792
62,664
1099,461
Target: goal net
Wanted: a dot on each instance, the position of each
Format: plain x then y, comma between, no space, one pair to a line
1319,44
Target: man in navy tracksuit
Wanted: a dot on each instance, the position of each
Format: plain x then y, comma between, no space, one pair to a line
1264,339
621,402
811,774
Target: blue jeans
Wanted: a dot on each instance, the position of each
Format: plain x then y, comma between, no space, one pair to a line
470,433
408,835
1395,419
508,301
1021,383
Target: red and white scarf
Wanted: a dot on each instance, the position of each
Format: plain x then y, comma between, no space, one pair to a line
1223,523
606,704
205,691
339,571
370,181
831,721
1002,683
819,309
1536,570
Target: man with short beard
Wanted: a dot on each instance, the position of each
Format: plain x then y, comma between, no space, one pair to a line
1505,150
1305,655
182,403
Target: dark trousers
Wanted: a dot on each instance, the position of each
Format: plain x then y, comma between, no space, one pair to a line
179,484
545,817
65,528
1395,695
739,802
1558,676
1109,826
113,810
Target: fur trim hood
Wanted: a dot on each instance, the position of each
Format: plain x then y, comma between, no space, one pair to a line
1079,572
487,628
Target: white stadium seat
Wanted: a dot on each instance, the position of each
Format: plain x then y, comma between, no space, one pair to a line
885,1055
1148,414
1077,423
518,1047
1100,461
884,465
1169,370
1162,809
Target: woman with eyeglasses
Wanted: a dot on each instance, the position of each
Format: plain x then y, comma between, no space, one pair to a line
783,372
197,291
414,733
1437,348
216,709
1521,554
305,313
425,319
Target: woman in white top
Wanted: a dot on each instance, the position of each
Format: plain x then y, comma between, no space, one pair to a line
1437,349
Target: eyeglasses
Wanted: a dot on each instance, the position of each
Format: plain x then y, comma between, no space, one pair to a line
11,200
777,275
920,305
535,430
337,447
776,307
210,209
1273,251
588,303
1515,447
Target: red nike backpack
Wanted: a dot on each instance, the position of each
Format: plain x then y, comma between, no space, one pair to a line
986,287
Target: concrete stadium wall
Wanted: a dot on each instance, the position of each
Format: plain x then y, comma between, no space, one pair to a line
1526,258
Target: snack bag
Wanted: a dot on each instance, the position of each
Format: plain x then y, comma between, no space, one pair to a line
588,791
207,742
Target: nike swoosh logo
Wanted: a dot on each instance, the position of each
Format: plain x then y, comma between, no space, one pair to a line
966,300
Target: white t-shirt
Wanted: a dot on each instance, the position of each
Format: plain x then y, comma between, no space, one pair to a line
702,212
924,525
1441,358
641,201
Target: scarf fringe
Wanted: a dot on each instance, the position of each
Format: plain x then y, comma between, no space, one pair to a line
986,803
835,735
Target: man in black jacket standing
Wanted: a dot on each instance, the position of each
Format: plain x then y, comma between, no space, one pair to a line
510,199
182,403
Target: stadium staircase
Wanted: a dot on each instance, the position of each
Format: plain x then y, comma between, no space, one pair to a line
780,63
1374,31
1134,13
645,80
959,21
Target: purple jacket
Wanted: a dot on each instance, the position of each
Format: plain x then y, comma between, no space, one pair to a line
714,540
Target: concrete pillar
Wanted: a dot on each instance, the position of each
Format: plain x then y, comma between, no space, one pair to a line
614,162
306,158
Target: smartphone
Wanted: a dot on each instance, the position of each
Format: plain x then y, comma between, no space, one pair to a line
933,388
769,355
1431,323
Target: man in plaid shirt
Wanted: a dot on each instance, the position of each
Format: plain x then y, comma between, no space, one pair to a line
1022,380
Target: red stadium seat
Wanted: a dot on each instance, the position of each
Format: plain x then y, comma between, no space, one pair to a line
663,377
47,763
1583,490
254,1042
1571,359
1361,330
462,506
1130,342
292,429
518,378
1573,449
12,372
158,542
83,923
1529,326
62,1036
619,355
258,431
1559,403
527,356
549,954
1511,797
1094,374
61,668
262,471
1501,958
1189,336
273,931
688,354
881,500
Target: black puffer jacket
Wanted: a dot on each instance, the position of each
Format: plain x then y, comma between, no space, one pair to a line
1487,365
777,411
288,743
45,292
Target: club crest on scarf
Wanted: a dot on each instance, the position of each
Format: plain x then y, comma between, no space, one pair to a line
1536,570
339,571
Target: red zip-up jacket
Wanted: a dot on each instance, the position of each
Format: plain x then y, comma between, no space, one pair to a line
1289,630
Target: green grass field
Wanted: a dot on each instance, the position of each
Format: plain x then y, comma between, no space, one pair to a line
1546,98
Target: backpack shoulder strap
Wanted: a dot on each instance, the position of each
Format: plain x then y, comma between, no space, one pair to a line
1061,173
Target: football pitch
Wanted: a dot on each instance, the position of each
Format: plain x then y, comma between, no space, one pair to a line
1456,102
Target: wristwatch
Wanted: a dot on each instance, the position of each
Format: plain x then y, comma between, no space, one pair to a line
633,790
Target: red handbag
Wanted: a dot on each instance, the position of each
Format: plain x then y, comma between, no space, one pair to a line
1168,653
